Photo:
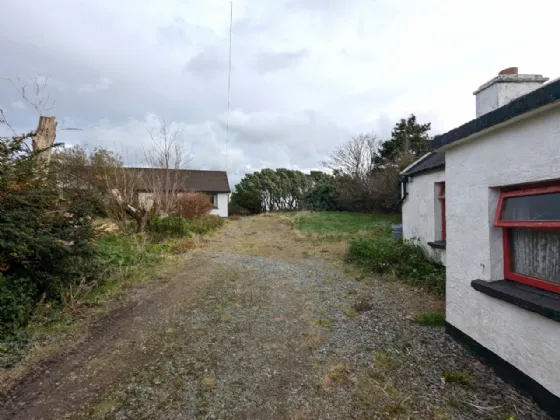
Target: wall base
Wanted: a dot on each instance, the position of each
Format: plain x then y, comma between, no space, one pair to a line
509,373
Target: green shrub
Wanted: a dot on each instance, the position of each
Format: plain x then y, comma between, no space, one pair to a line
46,242
170,227
207,223
403,259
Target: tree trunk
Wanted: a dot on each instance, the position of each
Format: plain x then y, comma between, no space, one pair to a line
44,138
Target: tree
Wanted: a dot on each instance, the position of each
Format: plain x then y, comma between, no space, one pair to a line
273,190
355,157
167,152
409,139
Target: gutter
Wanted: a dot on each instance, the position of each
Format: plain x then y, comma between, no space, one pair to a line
404,183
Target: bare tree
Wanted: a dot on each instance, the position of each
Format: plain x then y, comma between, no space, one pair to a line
35,93
355,157
166,158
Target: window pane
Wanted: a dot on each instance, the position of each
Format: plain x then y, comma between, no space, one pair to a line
542,207
536,253
215,200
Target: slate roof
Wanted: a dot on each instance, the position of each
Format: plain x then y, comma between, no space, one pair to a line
203,181
434,161
540,97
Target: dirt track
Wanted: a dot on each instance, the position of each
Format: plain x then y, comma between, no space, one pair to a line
259,323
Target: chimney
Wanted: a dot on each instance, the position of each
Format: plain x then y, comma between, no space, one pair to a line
504,88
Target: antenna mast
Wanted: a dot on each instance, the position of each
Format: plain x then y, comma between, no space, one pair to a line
229,82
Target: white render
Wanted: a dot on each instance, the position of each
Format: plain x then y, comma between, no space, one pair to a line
421,212
527,150
503,89
222,210
223,203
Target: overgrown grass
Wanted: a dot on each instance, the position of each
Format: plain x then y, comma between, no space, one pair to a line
461,377
432,319
403,260
338,224
125,258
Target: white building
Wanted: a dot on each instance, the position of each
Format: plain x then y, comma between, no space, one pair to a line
213,183
502,230
423,207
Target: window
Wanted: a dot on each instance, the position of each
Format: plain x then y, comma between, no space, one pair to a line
441,198
215,201
530,221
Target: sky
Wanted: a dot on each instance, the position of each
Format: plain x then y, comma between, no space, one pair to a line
306,74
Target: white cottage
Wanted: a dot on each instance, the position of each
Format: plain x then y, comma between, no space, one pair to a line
501,229
213,183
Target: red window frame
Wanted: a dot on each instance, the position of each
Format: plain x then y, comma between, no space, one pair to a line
507,225
441,198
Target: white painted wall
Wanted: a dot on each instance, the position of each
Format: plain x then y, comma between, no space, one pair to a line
526,151
222,210
223,203
421,212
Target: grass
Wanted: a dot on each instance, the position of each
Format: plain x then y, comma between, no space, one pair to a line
337,224
432,319
400,260
461,377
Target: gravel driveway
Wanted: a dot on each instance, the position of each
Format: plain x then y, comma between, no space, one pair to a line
261,323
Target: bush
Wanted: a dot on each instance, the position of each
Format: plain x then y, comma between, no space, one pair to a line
170,227
207,223
404,259
46,243
193,205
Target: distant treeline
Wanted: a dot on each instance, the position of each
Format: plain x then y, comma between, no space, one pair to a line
363,176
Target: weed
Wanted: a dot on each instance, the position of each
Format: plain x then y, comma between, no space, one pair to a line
457,403
363,306
400,259
208,383
323,323
432,319
352,292
350,312
382,360
234,218
461,377
184,245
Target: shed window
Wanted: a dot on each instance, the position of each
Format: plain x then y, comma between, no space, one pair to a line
530,221
215,201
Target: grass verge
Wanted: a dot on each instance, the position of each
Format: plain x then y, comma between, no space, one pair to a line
403,260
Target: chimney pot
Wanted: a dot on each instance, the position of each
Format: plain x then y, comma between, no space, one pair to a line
509,70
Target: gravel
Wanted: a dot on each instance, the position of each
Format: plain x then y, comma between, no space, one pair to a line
278,340
261,323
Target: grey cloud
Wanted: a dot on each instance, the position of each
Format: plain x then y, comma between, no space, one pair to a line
270,61
208,62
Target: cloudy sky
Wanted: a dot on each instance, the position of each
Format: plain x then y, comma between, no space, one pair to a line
306,74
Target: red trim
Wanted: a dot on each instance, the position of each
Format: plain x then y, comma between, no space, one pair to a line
506,226
441,198
546,224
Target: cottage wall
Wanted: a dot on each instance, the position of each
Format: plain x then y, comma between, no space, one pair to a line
421,212
223,203
525,151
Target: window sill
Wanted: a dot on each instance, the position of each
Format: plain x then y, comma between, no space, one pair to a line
530,298
437,244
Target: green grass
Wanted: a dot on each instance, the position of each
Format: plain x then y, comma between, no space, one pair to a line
432,319
461,377
344,223
402,260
